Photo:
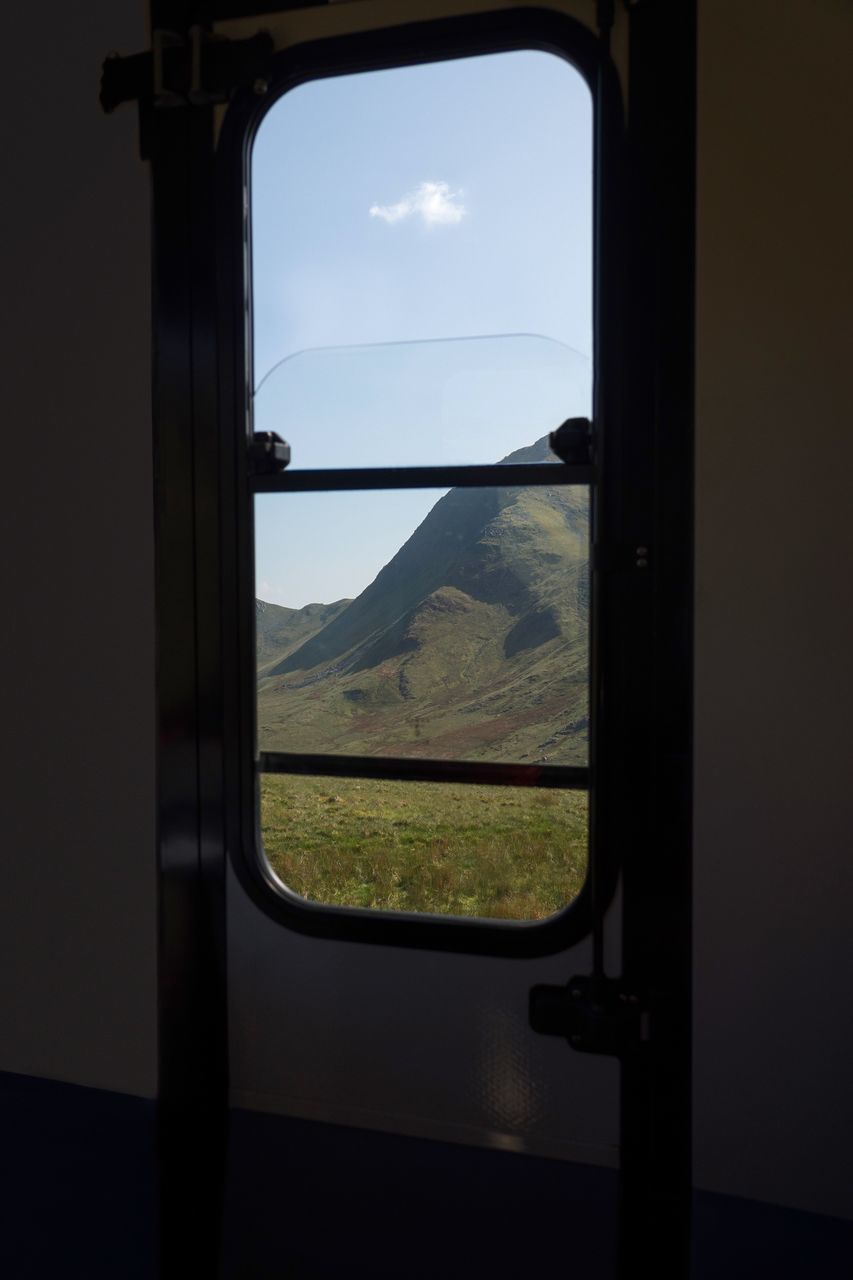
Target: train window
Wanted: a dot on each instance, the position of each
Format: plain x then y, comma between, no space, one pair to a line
421,247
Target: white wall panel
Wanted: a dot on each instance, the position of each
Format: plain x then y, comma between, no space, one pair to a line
774,634
77,911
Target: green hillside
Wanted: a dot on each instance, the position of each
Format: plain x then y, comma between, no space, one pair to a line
280,630
470,644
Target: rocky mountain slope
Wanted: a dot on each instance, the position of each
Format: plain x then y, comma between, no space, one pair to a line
471,643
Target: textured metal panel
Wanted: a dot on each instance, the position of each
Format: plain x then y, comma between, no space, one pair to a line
423,1043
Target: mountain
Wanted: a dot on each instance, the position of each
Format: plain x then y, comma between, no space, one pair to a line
280,630
471,643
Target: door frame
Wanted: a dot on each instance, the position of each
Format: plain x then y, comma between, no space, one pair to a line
198,725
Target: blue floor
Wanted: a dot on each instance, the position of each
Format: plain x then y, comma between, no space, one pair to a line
310,1201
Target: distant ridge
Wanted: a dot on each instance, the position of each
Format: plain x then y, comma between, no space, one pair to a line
279,630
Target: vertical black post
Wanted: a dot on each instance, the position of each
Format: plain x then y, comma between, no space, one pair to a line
192,1094
659,338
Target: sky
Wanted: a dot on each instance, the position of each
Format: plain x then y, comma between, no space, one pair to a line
422,291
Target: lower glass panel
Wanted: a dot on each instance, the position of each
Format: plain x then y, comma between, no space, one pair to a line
504,853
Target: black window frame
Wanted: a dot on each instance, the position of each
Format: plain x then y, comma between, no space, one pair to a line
616,531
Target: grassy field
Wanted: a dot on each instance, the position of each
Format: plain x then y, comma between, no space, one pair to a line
511,853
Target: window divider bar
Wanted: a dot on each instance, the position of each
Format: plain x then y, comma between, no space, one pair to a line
494,475
409,769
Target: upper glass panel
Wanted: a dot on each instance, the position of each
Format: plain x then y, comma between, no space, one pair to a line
443,210
451,402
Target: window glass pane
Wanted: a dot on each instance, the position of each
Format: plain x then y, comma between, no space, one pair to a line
415,206
389,623
421,295
471,400
509,853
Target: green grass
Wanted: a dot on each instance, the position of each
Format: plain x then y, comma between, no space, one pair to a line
511,853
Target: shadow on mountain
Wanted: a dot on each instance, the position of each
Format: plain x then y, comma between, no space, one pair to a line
531,631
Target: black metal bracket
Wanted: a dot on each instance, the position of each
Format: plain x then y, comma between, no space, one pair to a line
595,1015
573,442
195,69
268,453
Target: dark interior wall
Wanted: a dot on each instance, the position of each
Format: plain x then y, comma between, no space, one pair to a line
774,623
77,909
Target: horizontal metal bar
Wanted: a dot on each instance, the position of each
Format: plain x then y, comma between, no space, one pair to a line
499,475
407,769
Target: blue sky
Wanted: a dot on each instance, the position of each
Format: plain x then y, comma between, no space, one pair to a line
393,212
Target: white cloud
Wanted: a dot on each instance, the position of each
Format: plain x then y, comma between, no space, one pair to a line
433,201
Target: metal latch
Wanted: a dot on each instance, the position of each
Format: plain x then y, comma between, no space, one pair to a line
187,70
573,442
596,1015
268,453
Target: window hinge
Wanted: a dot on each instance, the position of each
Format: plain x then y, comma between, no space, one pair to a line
595,1014
268,453
195,69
